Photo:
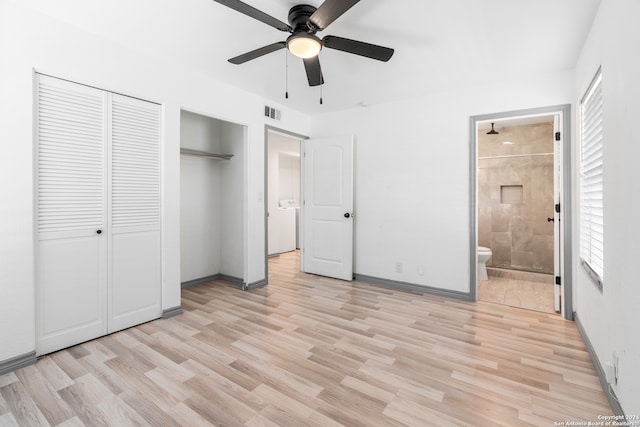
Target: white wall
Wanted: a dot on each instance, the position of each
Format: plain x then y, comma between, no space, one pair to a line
30,40
17,298
200,186
232,217
412,175
610,317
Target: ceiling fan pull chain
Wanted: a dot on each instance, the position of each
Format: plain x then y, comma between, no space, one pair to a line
321,82
286,73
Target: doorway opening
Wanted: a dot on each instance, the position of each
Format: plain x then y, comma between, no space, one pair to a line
520,245
283,193
283,179
212,209
323,197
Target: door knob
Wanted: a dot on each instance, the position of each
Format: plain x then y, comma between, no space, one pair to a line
550,219
347,215
99,231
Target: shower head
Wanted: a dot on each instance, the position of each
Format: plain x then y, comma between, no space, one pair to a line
493,131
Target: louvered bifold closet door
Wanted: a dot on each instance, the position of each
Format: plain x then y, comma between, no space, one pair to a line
135,212
71,210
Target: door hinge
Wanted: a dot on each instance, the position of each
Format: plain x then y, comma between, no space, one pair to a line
558,280
557,136
558,207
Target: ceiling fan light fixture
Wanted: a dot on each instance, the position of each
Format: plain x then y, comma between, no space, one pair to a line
304,45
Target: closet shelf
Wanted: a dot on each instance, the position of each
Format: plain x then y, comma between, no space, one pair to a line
190,152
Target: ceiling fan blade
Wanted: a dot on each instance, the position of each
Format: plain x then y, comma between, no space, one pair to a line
254,13
329,11
241,59
314,72
368,50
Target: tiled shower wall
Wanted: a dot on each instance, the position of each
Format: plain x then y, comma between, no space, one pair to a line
515,197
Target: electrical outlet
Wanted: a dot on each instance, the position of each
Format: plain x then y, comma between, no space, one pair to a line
398,267
610,373
420,270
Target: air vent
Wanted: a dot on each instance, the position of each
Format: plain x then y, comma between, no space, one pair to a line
272,113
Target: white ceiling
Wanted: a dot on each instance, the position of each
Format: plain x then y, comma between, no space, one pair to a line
438,45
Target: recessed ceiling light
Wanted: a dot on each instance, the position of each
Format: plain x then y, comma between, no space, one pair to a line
508,143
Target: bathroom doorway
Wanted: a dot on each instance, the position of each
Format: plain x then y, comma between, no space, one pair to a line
519,187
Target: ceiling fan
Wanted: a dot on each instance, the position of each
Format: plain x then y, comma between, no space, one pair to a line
304,22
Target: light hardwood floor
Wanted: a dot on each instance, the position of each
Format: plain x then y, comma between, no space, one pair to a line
309,350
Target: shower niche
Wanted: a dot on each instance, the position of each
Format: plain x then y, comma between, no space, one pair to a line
511,194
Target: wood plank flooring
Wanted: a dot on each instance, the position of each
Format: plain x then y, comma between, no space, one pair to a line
308,350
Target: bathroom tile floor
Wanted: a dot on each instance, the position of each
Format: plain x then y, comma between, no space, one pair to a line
536,294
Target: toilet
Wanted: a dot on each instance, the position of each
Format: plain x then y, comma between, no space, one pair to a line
484,255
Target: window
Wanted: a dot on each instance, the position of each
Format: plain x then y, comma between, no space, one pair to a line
591,194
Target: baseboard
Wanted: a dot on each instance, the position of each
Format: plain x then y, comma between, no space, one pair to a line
197,282
17,362
465,296
201,281
613,400
254,285
170,312
231,279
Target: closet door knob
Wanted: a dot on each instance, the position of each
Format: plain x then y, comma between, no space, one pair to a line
99,231
347,215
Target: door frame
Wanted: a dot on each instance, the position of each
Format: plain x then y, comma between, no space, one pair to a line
566,199
267,129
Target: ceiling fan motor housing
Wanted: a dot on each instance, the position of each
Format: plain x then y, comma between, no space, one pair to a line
299,18
304,22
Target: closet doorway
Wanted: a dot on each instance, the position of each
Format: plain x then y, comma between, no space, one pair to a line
212,209
283,189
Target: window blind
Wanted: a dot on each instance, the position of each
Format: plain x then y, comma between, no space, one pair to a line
591,189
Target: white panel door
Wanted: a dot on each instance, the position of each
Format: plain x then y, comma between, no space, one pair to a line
135,288
71,209
328,207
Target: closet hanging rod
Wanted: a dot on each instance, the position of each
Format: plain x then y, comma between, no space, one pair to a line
190,152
